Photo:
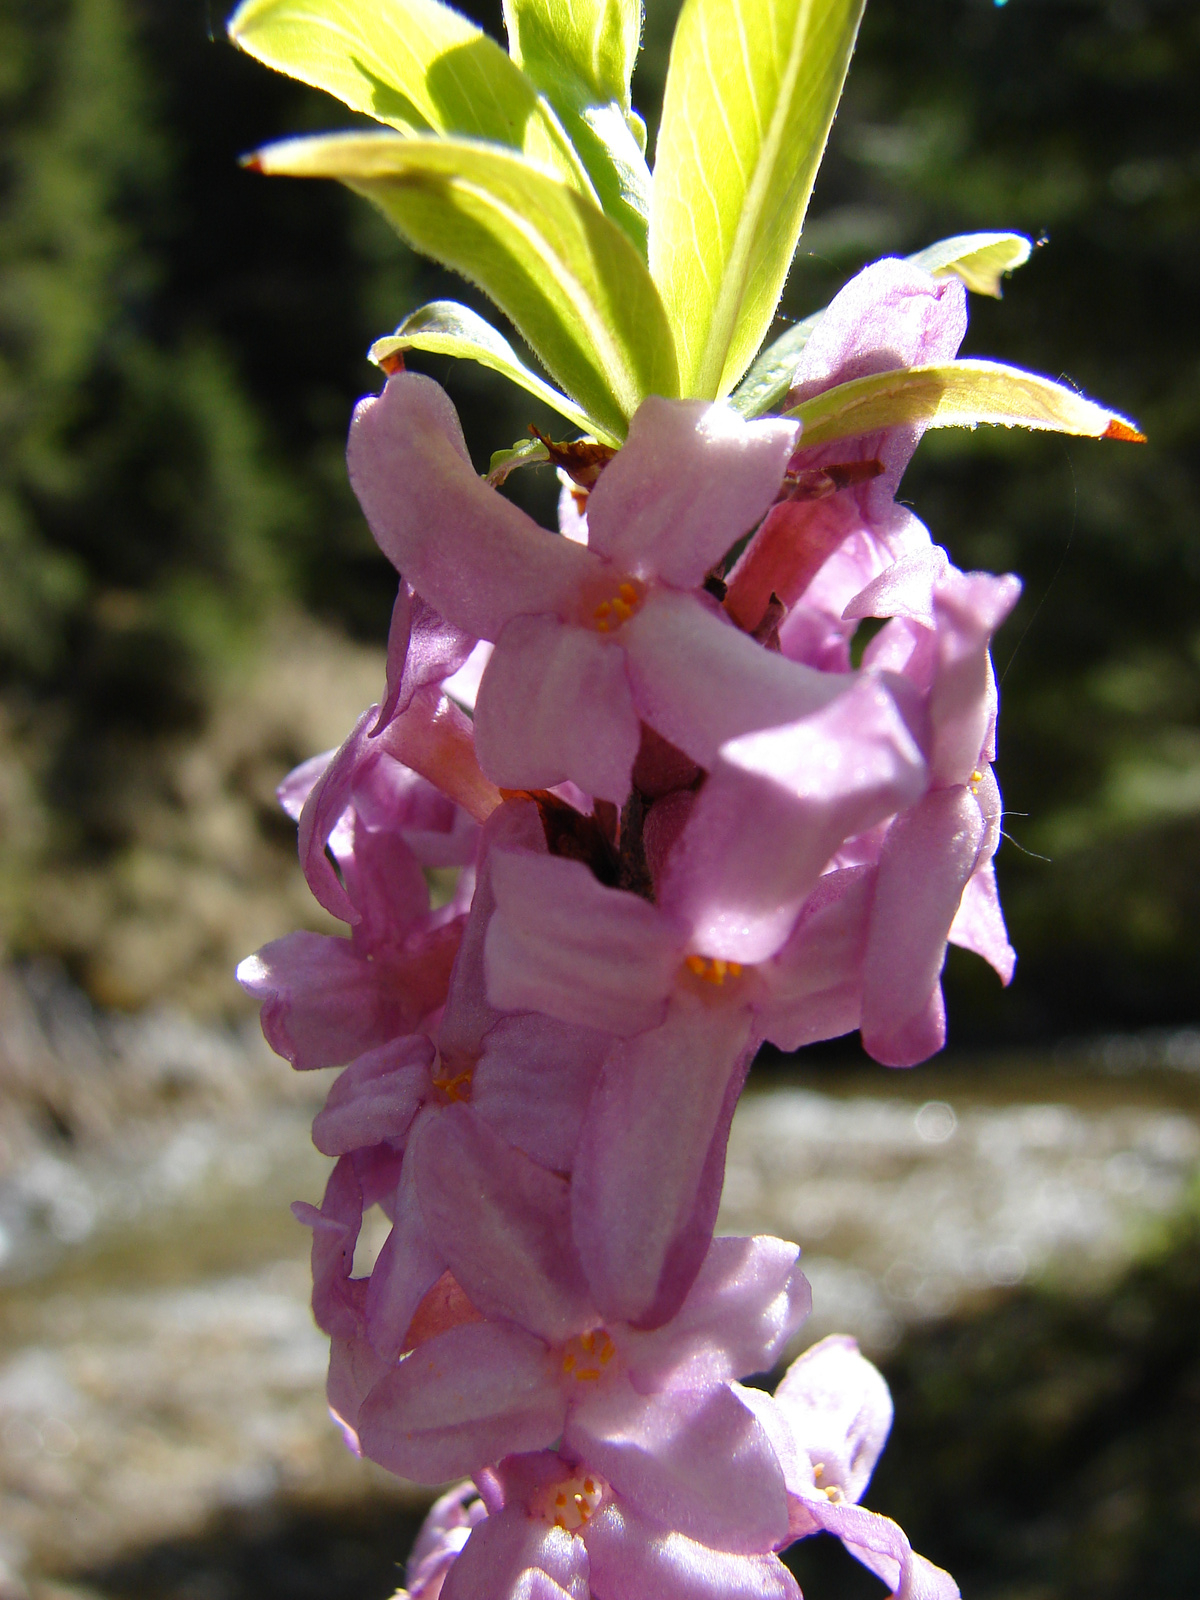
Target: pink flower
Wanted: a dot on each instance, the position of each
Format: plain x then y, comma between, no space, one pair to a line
554,1527
830,1419
935,878
652,1411
891,315
591,639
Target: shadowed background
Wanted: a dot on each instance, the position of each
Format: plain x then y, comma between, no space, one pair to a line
190,604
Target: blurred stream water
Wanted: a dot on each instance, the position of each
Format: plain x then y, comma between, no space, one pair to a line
158,1363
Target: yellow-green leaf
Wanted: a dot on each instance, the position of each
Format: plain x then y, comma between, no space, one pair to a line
770,378
979,259
580,55
417,65
957,394
446,328
565,276
751,92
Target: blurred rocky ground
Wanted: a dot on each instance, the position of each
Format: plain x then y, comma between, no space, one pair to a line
198,865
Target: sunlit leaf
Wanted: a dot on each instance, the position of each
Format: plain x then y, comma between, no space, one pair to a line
751,92
958,394
446,328
565,276
415,64
980,259
580,55
770,378
525,453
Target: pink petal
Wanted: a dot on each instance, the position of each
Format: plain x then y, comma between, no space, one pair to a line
969,608
882,1546
469,1015
776,807
691,479
299,783
633,1559
376,1097
979,924
814,985
513,1557
696,1460
481,1391
651,1158
840,1412
555,703
322,1004
470,552
563,944
423,648
463,685
747,1302
533,1084
503,1225
699,681
407,1267
928,856
387,887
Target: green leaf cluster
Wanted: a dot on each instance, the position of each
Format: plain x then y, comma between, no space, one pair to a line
526,173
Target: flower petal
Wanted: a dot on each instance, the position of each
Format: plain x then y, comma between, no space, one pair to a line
503,1225
746,1303
322,1004
533,1083
840,1412
651,1158
632,1559
470,552
979,924
928,856
563,944
777,805
555,703
690,480
463,1399
510,1556
699,681
696,1460
376,1097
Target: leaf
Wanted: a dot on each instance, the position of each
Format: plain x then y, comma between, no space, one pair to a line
958,394
446,328
565,276
979,259
414,64
770,378
596,41
580,55
525,453
751,92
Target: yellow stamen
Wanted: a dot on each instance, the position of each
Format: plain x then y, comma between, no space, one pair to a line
712,969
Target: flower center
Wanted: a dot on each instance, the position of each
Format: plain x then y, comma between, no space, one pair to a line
453,1086
571,1503
617,608
586,1356
711,969
832,1491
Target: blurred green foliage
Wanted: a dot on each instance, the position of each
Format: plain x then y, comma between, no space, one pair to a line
181,343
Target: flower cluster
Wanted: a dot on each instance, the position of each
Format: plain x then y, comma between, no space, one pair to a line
689,816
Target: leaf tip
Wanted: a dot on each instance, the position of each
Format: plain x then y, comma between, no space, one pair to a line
252,162
1118,428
